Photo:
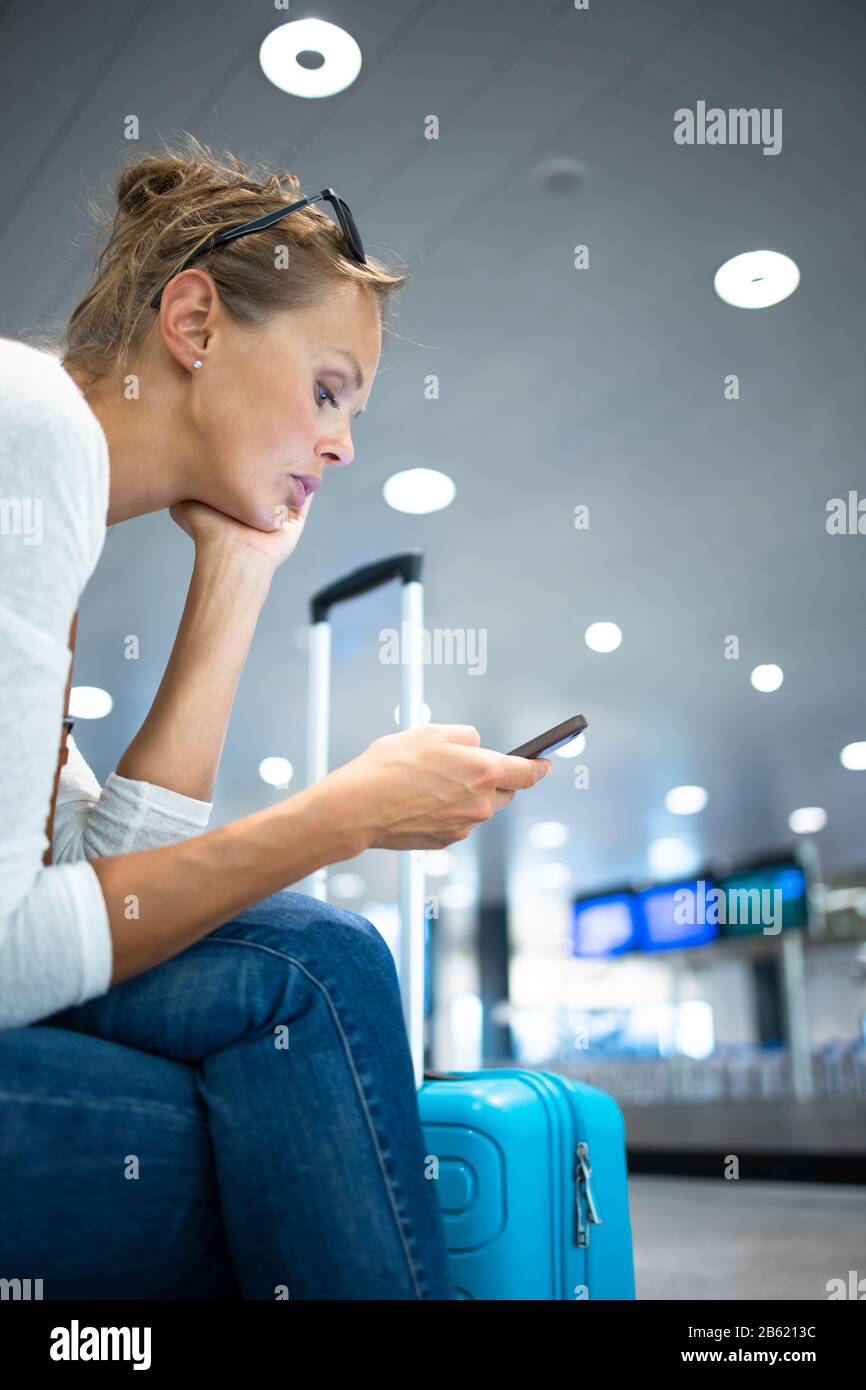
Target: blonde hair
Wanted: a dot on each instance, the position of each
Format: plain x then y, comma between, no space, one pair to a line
170,204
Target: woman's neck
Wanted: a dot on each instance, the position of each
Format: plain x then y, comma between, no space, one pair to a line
146,472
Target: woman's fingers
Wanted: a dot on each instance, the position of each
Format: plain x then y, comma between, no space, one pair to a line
516,773
456,733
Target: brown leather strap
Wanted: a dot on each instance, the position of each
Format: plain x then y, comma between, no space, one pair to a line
64,751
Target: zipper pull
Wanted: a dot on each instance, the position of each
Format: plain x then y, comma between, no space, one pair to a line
582,1174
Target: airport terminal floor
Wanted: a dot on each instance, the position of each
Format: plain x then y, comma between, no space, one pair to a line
696,1240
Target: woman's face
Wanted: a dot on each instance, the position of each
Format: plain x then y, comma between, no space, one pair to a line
269,403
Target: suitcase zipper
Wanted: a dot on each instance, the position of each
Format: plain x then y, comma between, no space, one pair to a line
582,1172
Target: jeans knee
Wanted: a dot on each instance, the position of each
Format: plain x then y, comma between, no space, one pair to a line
343,937
359,940
374,942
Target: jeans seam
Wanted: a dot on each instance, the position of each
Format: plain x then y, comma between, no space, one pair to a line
399,1219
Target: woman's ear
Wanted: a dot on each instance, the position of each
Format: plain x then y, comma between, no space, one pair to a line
186,316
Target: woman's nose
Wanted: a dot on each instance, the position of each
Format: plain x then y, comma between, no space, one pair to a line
337,453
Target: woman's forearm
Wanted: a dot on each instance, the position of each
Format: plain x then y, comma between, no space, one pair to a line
180,743
160,901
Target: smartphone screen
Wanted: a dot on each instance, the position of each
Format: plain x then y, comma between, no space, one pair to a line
553,738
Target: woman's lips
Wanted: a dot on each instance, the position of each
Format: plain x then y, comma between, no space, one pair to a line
300,493
304,485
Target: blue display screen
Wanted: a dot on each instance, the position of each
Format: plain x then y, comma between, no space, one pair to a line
676,915
764,900
604,925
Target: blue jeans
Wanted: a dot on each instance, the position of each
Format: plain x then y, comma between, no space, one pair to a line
238,1122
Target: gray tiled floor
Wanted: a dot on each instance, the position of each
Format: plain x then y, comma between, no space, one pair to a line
707,1238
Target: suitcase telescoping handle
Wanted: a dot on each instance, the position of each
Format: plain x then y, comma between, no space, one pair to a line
408,568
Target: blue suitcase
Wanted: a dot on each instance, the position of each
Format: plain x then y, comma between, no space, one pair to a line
532,1184
530,1166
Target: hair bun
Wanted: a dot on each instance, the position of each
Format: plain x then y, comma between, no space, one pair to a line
145,180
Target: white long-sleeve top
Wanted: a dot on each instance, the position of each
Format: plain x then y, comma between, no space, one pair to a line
55,941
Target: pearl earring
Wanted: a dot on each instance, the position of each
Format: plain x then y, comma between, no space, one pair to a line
196,363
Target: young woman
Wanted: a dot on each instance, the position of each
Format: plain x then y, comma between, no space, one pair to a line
205,1084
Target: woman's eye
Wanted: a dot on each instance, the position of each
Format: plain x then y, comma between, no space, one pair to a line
328,396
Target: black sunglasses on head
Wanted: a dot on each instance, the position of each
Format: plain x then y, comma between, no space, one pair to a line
344,217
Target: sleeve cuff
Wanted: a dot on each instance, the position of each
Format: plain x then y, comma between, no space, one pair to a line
185,810
132,815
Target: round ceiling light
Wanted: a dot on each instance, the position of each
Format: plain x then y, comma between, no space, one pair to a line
756,279
310,58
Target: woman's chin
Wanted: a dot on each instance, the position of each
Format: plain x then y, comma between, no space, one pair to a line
259,517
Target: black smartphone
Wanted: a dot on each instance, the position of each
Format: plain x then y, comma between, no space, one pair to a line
553,738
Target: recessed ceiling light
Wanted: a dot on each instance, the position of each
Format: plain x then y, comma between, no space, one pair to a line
89,702
277,772
419,490
572,748
756,279
547,834
670,856
686,801
603,637
767,677
853,756
347,885
310,58
807,820
425,713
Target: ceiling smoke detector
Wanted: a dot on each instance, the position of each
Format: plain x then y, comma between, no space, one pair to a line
560,175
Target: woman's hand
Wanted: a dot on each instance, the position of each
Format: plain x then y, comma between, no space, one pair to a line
211,529
425,788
